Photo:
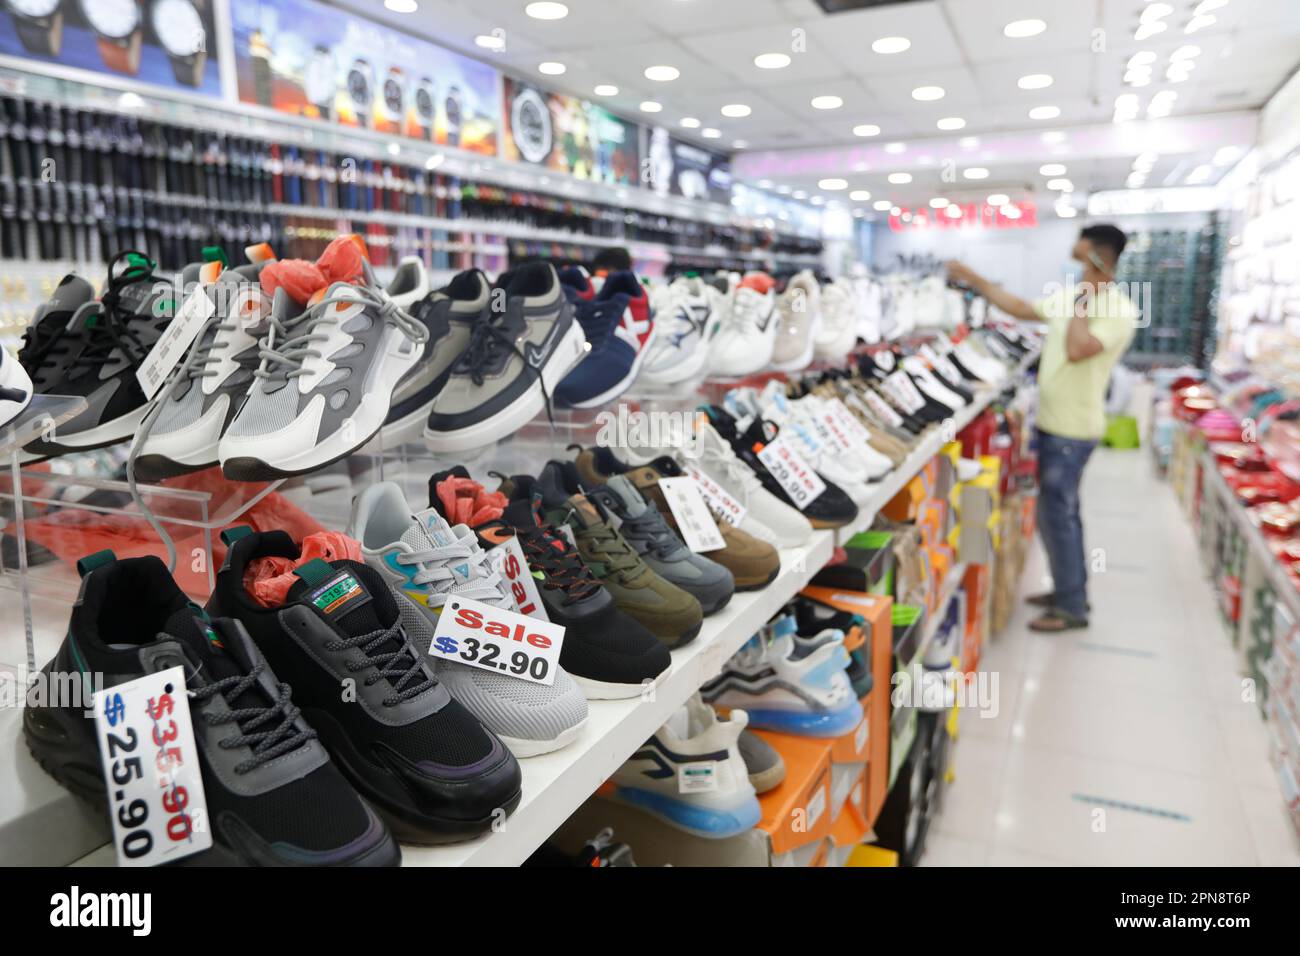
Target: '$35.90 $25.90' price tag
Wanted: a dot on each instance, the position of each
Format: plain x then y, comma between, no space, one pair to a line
494,639
151,769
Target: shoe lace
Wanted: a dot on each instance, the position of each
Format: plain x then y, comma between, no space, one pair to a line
650,529
487,340
561,565
617,555
747,309
288,344
111,331
402,663
278,738
40,350
598,318
434,569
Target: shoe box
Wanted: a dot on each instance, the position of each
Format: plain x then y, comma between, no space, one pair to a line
917,793
979,504
905,505
975,585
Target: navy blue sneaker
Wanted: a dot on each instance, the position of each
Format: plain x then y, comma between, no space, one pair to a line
619,325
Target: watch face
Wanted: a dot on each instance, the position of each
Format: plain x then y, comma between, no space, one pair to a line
34,8
530,124
359,87
393,95
179,27
116,19
424,102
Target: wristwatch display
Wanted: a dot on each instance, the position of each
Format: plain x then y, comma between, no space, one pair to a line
39,24
453,111
119,24
394,97
182,35
426,107
530,125
320,82
361,90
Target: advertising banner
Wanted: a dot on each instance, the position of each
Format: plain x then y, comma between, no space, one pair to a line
567,135
169,43
677,168
302,57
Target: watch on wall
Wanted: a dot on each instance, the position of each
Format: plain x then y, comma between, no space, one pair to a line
393,95
178,24
452,108
119,29
530,125
39,24
320,82
361,90
426,107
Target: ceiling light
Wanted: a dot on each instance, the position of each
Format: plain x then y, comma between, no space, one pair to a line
1135,181
1053,136
1060,185
710,133
800,194
888,45
662,74
952,212
740,144
900,179
736,110
866,129
772,61
999,199
1020,29
490,41
1188,52
1145,160
1177,73
1011,212
546,11
1156,11
895,148
829,102
928,94
1066,211
1198,23
1199,175
833,185
951,123
606,89
764,184
650,106
1139,82
859,195
1044,112
1141,58
1147,30
401,6
882,205
690,122
938,202
1051,169
968,142
551,68
1034,81
859,213
1227,155
976,172
783,189
817,200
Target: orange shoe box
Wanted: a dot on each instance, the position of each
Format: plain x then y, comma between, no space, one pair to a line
798,812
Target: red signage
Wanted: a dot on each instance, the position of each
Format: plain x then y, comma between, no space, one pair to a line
973,216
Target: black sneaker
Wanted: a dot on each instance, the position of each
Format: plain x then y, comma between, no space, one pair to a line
274,798
609,654
427,765
52,340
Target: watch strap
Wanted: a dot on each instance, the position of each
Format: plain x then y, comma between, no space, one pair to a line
122,55
189,69
42,35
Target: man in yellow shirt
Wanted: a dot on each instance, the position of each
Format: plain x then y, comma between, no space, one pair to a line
1090,324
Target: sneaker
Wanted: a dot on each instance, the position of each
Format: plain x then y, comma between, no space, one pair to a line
426,561
274,797
421,759
747,334
685,320
799,322
690,774
620,327
607,653
197,408
763,762
670,613
325,383
515,360
781,689
56,333
838,333
15,387
644,528
112,337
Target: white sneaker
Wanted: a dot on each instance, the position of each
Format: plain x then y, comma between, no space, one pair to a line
15,387
685,313
747,336
838,333
799,322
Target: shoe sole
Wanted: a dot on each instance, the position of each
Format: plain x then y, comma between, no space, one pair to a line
523,747
101,436
624,383
154,468
756,585
681,814
568,353
768,779
682,373
604,690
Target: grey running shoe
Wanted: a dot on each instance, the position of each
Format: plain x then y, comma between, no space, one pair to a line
516,357
645,529
765,765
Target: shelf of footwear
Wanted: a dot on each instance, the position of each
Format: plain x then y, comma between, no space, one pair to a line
952,583
555,784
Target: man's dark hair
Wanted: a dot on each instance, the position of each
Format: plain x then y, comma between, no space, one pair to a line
615,259
1107,237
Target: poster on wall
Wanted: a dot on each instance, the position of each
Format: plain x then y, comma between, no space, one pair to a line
567,135
302,57
171,43
678,168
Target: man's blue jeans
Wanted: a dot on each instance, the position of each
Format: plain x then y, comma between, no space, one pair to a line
1060,469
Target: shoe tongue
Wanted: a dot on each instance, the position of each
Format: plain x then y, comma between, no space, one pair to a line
71,294
583,512
347,595
219,661
521,513
623,489
428,529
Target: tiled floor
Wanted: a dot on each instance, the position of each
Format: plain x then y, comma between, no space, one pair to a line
1128,743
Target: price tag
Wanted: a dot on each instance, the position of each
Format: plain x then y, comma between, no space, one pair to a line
903,389
151,769
723,502
816,807
850,433
172,345
508,560
942,363
698,777
791,472
699,531
495,639
874,402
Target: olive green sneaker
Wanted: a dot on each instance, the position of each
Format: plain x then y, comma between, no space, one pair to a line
672,614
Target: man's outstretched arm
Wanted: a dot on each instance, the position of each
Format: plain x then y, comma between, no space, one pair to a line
1012,305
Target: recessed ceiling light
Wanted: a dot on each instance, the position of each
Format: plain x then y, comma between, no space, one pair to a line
650,106
900,179
928,94
999,199
783,189
952,212
1156,11
951,123
662,74
833,185
859,213
690,122
1044,112
1175,74
1053,136
1188,52
827,102
800,194
866,129
1066,211
1035,81
882,205
606,89
551,68
895,148
772,61
860,195
1052,169
1198,23
1141,58
888,45
736,110
1020,29
740,144
1150,29
545,10
969,142
1060,185
710,133
490,41
401,6
938,202
976,172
